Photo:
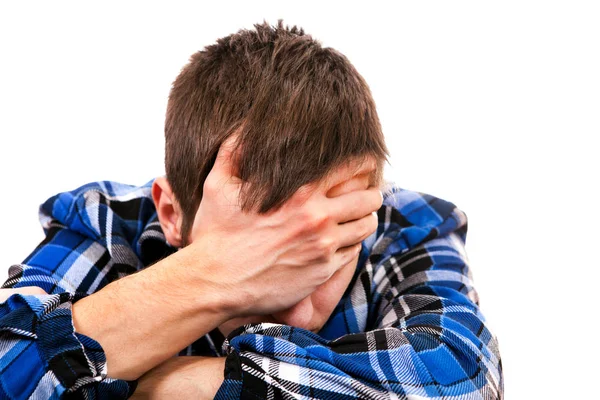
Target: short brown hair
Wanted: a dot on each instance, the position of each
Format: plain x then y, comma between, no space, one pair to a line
300,109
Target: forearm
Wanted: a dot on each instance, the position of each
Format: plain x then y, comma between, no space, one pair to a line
145,318
182,378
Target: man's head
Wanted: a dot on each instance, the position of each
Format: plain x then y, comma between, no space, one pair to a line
298,110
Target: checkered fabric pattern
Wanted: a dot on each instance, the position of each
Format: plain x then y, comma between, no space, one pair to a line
408,326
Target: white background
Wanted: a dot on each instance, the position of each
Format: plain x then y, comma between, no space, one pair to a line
493,106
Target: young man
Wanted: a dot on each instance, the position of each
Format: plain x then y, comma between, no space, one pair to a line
264,265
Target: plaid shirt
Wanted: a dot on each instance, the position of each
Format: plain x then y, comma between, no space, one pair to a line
408,326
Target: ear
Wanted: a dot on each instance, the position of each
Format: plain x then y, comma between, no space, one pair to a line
167,208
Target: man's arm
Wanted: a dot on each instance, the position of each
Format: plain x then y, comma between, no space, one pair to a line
182,378
93,326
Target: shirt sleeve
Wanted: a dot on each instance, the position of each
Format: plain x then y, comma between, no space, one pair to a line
412,325
41,355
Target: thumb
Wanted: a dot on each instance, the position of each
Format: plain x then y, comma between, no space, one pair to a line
225,163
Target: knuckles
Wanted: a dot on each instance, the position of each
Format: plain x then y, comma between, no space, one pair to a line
315,221
369,226
301,196
326,246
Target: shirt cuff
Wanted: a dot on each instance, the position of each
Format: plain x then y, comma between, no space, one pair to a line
65,360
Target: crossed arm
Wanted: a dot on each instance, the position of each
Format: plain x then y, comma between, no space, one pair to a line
190,377
185,377
409,311
421,332
422,335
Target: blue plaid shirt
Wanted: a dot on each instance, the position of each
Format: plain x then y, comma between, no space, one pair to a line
408,326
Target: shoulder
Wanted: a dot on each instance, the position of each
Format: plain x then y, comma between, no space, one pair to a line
412,218
92,208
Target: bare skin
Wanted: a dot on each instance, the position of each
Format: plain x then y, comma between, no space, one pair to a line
182,378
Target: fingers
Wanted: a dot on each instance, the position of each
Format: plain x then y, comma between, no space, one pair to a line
348,171
357,231
354,205
359,182
345,255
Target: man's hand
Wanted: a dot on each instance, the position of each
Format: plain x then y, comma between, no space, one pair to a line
182,378
239,263
262,263
6,293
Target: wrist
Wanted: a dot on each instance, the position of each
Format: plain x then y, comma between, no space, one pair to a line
186,278
204,274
